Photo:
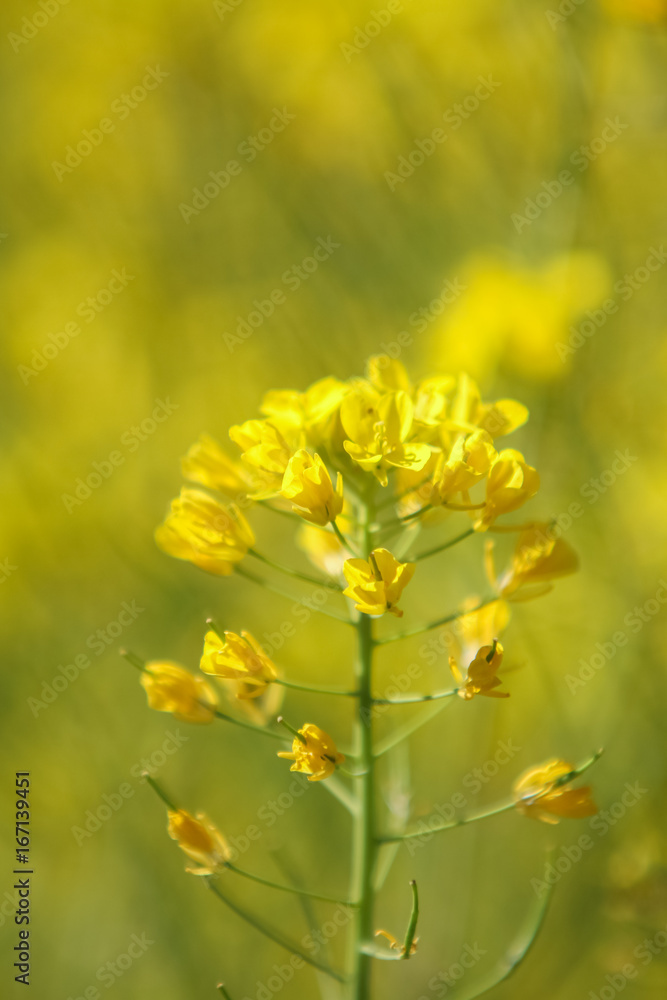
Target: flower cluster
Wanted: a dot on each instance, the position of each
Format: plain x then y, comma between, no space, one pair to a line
360,468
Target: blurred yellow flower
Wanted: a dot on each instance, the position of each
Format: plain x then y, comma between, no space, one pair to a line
480,627
468,462
207,464
646,11
308,485
542,793
378,430
376,583
315,754
172,688
239,658
313,412
510,484
515,314
200,840
212,535
265,452
538,559
481,674
469,412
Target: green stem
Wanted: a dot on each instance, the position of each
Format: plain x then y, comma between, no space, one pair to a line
397,736
286,888
222,991
297,574
314,690
159,792
416,699
365,844
446,545
412,926
240,571
271,933
250,726
343,540
473,818
447,620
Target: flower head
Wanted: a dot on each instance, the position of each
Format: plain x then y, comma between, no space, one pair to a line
308,485
510,484
379,429
212,535
239,658
538,559
468,462
469,412
481,674
543,793
314,753
207,464
200,840
312,413
266,453
171,688
376,583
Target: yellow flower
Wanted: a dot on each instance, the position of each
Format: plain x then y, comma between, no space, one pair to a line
497,419
240,658
543,793
469,461
377,583
308,485
323,549
315,754
647,11
510,484
480,627
171,688
207,464
378,430
200,840
388,375
538,559
266,452
313,412
207,533
259,708
481,674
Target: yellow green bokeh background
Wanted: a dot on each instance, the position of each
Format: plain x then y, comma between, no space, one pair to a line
559,78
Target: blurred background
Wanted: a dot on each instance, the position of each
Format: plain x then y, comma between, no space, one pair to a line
525,241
